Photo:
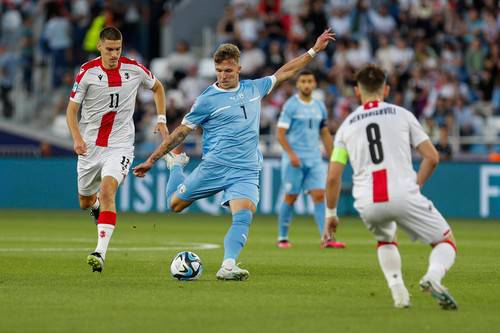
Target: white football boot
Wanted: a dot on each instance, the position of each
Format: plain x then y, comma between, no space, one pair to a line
401,296
438,292
176,159
232,273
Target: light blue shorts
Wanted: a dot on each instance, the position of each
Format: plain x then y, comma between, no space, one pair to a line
209,178
310,175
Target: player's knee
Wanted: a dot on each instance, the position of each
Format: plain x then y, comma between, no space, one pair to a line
318,197
84,204
176,206
290,198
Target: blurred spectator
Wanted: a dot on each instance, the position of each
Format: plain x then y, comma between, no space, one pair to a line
252,59
181,59
57,34
442,145
8,67
27,52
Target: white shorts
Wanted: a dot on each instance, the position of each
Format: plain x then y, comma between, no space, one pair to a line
101,162
415,214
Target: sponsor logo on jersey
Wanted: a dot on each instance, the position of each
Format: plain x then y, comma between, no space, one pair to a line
75,87
100,77
182,188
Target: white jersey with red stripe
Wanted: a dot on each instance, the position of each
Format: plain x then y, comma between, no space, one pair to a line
378,137
108,100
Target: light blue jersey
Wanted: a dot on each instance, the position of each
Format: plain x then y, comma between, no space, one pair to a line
230,121
303,122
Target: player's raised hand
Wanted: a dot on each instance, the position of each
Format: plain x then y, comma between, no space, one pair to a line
162,129
323,40
141,170
80,147
330,228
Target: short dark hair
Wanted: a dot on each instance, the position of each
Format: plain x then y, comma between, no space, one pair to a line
371,78
110,33
225,52
305,72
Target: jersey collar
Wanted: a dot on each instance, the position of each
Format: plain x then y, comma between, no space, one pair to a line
111,70
371,104
226,90
304,102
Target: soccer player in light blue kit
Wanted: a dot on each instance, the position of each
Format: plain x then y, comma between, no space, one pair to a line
229,114
303,121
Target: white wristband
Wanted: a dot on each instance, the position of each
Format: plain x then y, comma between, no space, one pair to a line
330,212
311,52
161,119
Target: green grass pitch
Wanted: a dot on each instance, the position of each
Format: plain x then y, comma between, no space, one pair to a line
46,285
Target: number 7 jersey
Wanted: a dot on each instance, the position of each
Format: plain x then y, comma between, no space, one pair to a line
107,98
378,137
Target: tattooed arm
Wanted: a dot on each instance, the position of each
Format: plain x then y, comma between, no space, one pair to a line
169,143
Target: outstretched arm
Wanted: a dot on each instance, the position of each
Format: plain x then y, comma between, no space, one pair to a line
169,143
295,65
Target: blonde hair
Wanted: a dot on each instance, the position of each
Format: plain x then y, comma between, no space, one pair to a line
225,52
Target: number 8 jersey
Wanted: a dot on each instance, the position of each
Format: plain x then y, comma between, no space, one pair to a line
107,98
378,137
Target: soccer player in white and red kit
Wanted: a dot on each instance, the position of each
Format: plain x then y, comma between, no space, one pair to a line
105,90
377,139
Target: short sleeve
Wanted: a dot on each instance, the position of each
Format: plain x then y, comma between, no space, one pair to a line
285,119
417,133
197,115
265,84
339,140
148,78
80,87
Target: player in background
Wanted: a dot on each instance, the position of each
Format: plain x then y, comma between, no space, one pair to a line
105,90
229,113
302,122
377,139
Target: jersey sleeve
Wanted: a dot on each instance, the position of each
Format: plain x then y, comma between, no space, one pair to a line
197,115
148,78
265,84
339,140
80,87
285,119
417,133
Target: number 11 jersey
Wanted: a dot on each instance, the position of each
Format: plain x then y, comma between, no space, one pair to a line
378,137
108,98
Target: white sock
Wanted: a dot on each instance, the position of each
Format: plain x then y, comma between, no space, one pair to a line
96,204
390,262
104,233
229,263
440,261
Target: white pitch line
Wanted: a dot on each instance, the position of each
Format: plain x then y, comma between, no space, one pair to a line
193,246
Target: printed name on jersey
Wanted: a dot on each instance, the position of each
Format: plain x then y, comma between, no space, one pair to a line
381,112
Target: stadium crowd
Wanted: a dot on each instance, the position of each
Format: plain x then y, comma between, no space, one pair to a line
442,57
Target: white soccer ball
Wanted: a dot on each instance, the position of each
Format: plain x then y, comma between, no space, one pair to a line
186,266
